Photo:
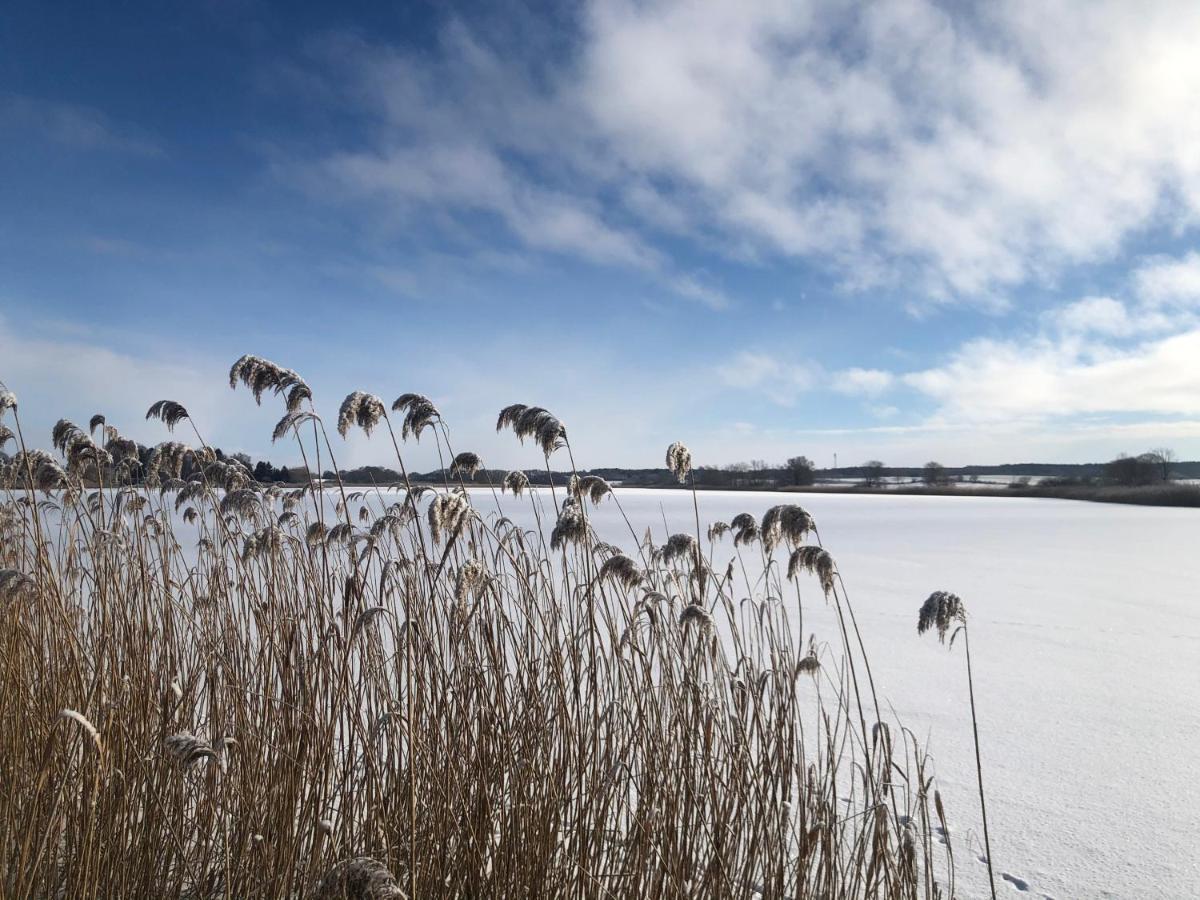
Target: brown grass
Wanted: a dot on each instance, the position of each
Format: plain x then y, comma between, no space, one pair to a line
293,699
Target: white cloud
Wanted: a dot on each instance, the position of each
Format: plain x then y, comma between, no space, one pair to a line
781,382
870,382
1058,378
955,151
1164,281
1102,315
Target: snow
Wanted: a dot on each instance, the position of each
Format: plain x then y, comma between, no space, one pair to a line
1085,638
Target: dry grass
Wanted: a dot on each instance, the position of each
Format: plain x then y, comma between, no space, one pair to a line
400,694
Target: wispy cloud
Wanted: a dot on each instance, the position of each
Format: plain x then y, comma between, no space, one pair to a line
1093,355
78,127
870,382
762,373
906,142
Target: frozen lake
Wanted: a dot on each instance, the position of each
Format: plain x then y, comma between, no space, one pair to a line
1085,635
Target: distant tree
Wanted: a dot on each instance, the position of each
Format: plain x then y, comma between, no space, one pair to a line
802,469
1165,457
243,458
872,473
284,474
934,473
264,471
1134,471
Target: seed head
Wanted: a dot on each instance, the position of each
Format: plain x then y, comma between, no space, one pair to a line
361,878
170,412
361,409
516,482
815,561
679,461
419,414
940,611
466,464
623,570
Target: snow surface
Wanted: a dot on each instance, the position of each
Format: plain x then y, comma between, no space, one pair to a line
1085,638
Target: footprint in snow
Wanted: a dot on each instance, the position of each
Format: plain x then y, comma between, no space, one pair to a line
1019,883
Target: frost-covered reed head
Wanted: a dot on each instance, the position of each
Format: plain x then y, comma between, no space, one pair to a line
623,570
717,530
679,461
695,614
8,400
419,414
815,561
571,526
361,409
941,611
187,749
679,546
536,423
15,586
472,577
361,878
593,487
168,412
261,375
745,529
447,514
785,522
466,465
77,446
516,482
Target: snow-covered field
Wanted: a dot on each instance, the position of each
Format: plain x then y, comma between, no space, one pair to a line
1085,635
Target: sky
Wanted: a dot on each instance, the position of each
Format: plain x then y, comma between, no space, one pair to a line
903,230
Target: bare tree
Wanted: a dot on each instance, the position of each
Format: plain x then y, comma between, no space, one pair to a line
934,473
803,470
1165,456
872,473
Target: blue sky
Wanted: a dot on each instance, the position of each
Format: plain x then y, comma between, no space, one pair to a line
912,231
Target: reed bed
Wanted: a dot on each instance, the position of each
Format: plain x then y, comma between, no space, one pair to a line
214,689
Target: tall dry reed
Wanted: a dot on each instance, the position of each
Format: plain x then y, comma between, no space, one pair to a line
211,688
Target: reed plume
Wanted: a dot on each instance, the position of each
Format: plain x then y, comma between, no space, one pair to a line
815,561
679,461
83,722
187,749
623,570
571,526
447,513
535,423
261,375
678,546
361,409
8,400
361,878
940,611
695,614
745,529
168,411
785,522
517,482
465,465
419,414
